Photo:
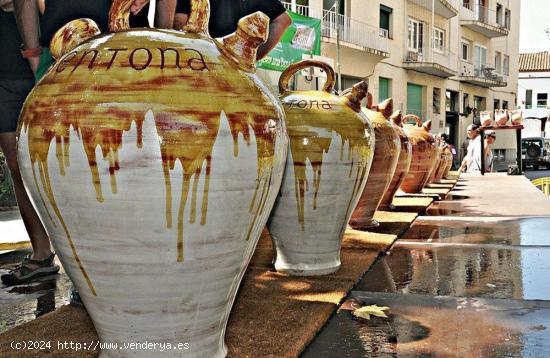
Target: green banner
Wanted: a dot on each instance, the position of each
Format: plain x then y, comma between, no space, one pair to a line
303,37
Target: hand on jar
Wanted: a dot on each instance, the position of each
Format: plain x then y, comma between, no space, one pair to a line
136,6
6,5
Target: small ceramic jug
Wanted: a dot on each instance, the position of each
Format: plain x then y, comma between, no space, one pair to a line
486,118
501,117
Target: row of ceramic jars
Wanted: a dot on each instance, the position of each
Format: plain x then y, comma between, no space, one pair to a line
155,167
326,184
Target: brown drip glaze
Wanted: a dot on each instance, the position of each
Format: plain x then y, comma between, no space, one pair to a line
100,116
423,155
403,163
386,154
308,148
311,114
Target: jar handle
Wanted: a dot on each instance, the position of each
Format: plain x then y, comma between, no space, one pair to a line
295,67
119,16
414,117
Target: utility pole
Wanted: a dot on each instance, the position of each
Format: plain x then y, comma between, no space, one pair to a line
338,68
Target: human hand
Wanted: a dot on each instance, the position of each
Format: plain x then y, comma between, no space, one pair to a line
6,5
136,6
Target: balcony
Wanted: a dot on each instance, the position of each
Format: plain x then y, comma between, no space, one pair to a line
353,33
445,8
481,76
436,62
482,20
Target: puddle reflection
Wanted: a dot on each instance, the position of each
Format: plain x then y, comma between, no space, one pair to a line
23,303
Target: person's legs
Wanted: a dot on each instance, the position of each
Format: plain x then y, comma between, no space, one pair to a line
39,238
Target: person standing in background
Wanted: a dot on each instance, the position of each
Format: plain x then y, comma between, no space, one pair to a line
225,15
16,81
38,22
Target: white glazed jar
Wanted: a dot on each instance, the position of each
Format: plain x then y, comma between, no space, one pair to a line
330,152
176,155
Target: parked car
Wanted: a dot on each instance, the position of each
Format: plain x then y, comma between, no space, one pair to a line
535,152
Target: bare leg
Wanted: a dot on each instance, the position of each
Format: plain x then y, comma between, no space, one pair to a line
39,238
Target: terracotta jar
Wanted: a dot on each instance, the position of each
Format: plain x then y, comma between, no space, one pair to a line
516,117
438,162
384,163
403,163
448,155
445,163
424,154
330,153
486,118
154,158
501,117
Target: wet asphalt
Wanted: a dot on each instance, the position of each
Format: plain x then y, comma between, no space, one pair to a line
455,288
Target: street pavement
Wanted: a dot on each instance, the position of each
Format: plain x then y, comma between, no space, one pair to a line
467,280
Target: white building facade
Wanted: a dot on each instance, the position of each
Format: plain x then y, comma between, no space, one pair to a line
439,59
534,92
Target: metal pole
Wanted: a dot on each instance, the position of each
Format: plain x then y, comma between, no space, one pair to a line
338,68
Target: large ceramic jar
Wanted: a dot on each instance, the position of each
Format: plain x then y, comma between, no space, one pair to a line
330,153
154,159
438,162
403,163
386,156
424,155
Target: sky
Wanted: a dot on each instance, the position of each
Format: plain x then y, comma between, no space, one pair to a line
535,18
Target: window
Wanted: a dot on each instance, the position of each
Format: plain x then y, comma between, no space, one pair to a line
385,21
507,19
479,103
465,50
500,18
505,105
528,99
438,39
500,154
384,88
452,101
498,62
496,104
330,5
415,36
542,100
506,65
436,103
480,59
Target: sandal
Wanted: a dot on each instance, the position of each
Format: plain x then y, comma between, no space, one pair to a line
30,269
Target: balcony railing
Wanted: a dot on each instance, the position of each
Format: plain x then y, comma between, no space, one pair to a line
443,57
445,8
351,31
299,9
481,73
477,12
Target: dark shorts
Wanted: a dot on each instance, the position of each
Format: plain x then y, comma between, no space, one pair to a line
12,96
